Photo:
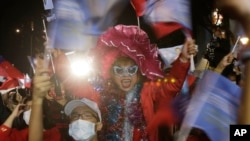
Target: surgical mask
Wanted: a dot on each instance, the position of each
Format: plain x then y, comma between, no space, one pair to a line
82,130
26,116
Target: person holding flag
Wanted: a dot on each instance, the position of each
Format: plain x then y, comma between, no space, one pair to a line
240,11
134,88
134,92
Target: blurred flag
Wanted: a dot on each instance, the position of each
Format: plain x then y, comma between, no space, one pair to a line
48,4
79,22
169,11
213,107
139,6
9,75
8,70
170,54
25,82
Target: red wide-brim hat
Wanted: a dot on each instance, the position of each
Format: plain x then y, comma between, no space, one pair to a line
131,41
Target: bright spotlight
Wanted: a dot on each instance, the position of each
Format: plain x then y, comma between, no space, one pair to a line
81,67
80,64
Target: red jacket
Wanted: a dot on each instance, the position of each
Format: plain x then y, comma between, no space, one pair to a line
11,134
156,96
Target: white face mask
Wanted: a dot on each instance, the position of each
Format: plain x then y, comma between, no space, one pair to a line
82,130
26,116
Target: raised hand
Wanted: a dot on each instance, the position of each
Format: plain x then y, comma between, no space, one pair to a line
225,61
189,48
41,83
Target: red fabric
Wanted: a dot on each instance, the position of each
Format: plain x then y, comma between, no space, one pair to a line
191,79
12,74
134,43
162,29
136,135
9,134
155,98
9,83
6,69
139,6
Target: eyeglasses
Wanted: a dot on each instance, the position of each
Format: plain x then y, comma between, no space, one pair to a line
84,116
121,71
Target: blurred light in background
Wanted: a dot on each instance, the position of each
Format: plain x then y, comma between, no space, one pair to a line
17,30
244,40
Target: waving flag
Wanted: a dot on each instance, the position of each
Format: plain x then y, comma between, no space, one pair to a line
213,107
139,6
170,54
79,22
169,11
9,75
48,4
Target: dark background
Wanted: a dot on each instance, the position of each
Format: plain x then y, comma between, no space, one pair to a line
15,47
27,15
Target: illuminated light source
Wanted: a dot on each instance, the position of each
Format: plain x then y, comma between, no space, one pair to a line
81,67
244,40
165,80
17,30
172,80
158,80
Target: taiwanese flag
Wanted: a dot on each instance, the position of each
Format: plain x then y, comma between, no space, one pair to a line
165,16
213,107
78,23
9,74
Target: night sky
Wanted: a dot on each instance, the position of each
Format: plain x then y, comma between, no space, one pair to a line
15,14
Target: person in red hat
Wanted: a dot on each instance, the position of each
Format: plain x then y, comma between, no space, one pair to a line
135,92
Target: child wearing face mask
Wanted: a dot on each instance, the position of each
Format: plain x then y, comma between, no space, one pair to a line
21,114
85,119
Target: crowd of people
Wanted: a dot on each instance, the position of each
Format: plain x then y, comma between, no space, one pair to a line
130,97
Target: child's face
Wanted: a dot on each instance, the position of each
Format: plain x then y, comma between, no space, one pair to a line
125,74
